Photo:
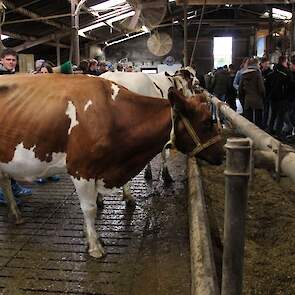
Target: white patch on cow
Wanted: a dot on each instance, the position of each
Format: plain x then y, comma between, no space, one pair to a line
87,185
26,166
115,91
87,105
71,112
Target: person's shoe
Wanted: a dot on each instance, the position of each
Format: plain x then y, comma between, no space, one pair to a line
54,178
3,200
20,191
41,180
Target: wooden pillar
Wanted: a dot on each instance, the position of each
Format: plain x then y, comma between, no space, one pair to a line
185,56
57,52
292,45
270,28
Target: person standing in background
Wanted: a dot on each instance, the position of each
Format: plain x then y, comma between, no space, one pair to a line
8,64
266,73
278,95
252,92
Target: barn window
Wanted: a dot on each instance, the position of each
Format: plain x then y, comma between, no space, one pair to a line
222,51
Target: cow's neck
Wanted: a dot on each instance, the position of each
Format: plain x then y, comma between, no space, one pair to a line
146,135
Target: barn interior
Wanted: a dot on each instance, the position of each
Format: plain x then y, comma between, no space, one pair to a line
175,231
146,33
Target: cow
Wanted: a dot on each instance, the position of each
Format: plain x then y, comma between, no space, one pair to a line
98,132
154,85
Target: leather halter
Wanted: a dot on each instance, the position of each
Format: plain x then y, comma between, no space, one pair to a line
190,130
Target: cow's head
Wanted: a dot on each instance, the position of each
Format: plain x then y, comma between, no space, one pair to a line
195,133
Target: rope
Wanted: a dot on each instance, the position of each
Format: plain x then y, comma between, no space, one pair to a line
198,33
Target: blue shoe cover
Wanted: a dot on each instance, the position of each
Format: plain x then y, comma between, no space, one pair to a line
3,200
54,178
20,191
41,180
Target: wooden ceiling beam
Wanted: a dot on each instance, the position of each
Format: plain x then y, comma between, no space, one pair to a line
30,39
33,15
233,2
42,40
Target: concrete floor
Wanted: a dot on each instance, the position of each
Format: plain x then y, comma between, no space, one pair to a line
147,248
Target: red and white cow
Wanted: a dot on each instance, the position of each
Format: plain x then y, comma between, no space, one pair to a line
154,85
100,133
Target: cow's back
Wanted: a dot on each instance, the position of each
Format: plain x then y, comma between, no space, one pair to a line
137,82
36,111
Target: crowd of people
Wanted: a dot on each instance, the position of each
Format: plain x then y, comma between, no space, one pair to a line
266,92
96,68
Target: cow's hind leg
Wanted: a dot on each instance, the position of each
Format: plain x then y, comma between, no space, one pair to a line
148,172
165,172
127,196
87,193
5,184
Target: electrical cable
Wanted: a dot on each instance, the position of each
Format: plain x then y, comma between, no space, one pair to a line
198,32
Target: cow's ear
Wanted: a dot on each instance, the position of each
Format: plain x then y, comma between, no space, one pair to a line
177,100
167,74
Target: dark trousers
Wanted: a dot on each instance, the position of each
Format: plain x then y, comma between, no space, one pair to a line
278,109
231,101
266,113
254,116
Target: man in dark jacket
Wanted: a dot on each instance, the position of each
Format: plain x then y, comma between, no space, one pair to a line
290,114
7,66
220,83
266,73
231,94
278,95
252,91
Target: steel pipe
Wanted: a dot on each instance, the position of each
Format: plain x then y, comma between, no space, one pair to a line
236,191
261,139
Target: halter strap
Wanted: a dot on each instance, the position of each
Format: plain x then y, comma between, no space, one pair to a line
199,145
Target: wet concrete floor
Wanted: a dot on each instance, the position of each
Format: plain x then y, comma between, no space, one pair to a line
147,247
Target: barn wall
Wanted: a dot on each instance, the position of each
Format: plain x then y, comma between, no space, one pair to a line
136,49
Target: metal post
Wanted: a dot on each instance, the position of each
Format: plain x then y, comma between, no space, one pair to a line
236,191
185,56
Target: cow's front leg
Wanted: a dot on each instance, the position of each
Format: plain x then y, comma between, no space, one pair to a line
86,190
127,196
99,201
5,184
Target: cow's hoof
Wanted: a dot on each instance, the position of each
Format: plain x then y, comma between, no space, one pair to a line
97,253
148,174
19,221
130,203
99,204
